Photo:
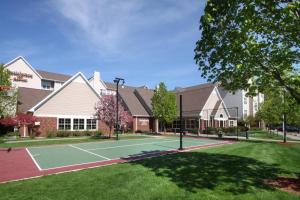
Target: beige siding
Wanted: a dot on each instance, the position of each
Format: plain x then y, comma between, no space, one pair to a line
221,111
210,104
20,66
77,98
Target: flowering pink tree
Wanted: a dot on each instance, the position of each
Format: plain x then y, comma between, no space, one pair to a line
106,110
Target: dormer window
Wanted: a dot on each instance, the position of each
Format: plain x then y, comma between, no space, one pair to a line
47,85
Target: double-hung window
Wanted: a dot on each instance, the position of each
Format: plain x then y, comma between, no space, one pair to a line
64,124
91,124
78,124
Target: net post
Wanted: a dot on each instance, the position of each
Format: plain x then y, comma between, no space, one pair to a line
181,128
237,126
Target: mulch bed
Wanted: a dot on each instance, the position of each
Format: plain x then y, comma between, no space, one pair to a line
291,185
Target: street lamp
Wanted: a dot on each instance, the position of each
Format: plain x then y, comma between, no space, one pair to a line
118,81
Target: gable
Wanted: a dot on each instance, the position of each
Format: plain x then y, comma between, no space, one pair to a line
76,97
23,74
221,111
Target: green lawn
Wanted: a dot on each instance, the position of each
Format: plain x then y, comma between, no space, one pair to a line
265,135
41,142
230,172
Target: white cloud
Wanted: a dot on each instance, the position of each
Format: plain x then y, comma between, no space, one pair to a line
114,27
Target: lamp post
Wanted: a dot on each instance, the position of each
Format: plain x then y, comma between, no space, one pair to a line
117,81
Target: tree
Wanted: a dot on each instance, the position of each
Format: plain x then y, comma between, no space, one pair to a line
7,96
106,110
164,105
274,106
250,121
251,45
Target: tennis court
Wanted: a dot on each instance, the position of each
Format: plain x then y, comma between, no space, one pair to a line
53,157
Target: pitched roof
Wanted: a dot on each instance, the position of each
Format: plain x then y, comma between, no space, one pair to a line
28,97
194,98
110,86
215,109
53,76
145,95
132,102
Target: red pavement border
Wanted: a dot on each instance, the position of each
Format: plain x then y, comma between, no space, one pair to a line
18,165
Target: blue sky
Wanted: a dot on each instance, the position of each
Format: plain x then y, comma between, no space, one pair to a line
143,41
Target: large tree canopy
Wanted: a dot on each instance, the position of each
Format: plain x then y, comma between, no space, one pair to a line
255,40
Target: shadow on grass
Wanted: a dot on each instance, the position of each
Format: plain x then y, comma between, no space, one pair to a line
199,170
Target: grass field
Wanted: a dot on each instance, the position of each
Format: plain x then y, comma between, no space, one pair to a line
230,172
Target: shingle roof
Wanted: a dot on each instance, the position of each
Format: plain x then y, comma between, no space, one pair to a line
194,98
215,109
132,102
53,76
145,95
28,97
110,86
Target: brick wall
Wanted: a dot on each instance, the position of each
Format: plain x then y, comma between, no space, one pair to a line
46,124
142,124
104,128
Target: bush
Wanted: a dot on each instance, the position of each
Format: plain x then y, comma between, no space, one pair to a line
229,130
97,134
194,131
51,133
12,134
64,133
256,129
210,130
32,135
77,133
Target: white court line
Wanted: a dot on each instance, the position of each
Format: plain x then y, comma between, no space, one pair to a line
33,160
129,145
89,152
94,142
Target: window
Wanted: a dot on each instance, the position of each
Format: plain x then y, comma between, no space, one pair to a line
231,123
245,113
245,100
78,124
91,124
191,124
176,124
64,124
47,85
221,115
255,106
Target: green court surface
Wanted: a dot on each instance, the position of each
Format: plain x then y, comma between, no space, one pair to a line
51,157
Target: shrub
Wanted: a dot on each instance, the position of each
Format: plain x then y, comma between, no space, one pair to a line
32,135
210,130
256,129
138,131
194,131
12,134
77,133
229,130
51,133
97,134
64,133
